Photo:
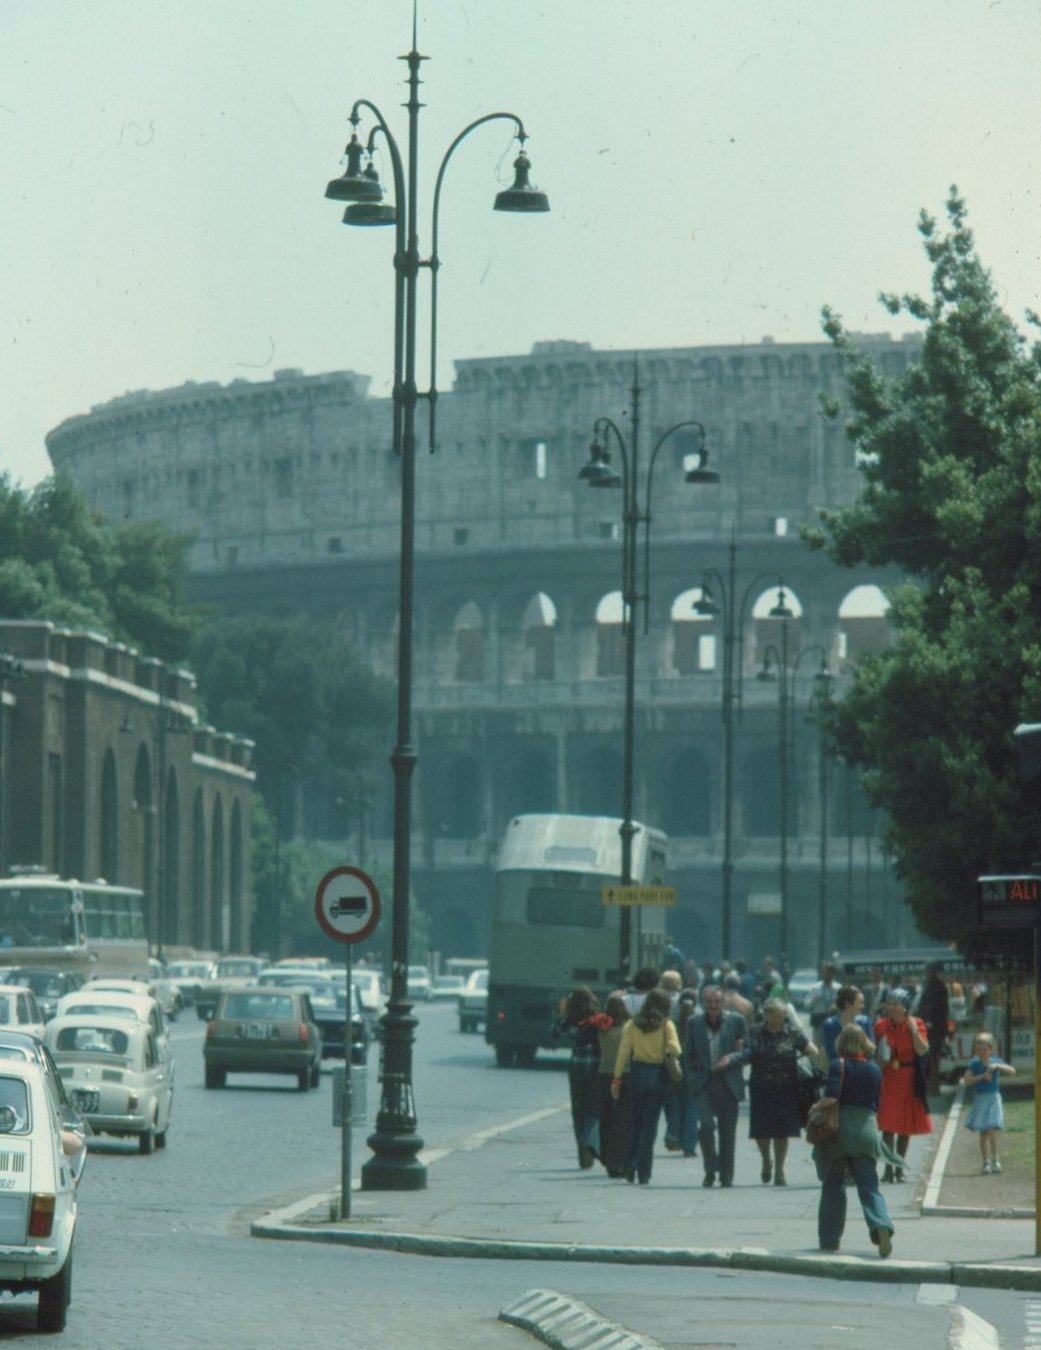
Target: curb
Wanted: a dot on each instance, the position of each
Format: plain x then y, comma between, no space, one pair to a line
565,1323
1026,1279
930,1205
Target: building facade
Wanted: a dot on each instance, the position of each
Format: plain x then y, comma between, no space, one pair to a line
105,771
293,494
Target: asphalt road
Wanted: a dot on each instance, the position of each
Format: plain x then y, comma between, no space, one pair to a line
163,1255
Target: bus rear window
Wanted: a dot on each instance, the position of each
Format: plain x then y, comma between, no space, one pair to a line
565,908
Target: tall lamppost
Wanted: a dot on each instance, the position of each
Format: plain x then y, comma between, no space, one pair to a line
395,1141
732,608
636,515
787,670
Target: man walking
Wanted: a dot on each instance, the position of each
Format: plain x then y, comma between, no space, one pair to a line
716,1086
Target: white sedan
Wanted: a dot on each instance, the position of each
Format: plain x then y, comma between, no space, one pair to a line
115,1075
38,1185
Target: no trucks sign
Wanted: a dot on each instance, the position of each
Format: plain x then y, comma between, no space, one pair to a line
347,904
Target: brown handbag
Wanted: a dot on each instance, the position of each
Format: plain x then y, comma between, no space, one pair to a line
822,1125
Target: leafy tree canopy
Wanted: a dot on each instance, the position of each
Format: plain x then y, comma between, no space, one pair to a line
950,454
59,560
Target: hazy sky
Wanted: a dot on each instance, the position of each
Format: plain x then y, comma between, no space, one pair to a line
717,170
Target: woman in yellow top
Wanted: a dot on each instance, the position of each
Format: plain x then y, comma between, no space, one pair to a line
647,1041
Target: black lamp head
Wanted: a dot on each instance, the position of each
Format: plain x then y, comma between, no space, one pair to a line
355,184
521,196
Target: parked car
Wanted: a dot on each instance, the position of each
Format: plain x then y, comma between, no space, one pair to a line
328,1000
19,1010
38,1221
263,1031
189,978
48,985
800,984
94,1000
229,972
473,1002
418,983
163,991
447,987
373,990
19,1046
113,1071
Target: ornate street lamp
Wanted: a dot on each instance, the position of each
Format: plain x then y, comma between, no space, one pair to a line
636,514
732,609
395,1141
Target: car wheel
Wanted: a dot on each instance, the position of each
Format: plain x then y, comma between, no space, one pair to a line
200,1012
316,1075
146,1141
214,1077
160,1138
55,1297
504,1056
303,1079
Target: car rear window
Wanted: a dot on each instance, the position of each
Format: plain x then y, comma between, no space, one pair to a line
15,1094
93,1040
258,1007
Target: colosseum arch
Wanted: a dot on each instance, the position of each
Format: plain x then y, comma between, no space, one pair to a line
236,863
468,634
526,782
681,803
766,631
693,637
539,627
218,927
200,937
145,808
610,635
456,799
108,840
597,788
760,794
171,880
863,624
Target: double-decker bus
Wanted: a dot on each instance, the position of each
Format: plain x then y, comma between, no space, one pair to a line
82,925
550,927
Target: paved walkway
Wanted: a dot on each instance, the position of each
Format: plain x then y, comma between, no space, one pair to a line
516,1192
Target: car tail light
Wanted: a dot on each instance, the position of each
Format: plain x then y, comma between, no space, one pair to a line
500,1017
305,1035
41,1216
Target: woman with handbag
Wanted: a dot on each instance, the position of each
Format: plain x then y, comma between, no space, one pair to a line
854,1082
651,1051
903,1051
773,1051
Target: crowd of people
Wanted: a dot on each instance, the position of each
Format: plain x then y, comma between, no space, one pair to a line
686,1042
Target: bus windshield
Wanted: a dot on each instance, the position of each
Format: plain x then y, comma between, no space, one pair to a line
36,916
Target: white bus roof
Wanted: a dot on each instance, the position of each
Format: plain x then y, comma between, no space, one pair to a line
572,844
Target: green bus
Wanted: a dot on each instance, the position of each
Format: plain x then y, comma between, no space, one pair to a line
550,927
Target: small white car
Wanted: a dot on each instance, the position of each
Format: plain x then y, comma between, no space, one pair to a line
373,991
19,1010
419,983
94,1001
473,1001
38,1188
189,977
115,1075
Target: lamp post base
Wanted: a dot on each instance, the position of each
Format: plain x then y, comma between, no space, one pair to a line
394,1166
394,1142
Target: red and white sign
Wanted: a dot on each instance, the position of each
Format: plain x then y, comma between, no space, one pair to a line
347,904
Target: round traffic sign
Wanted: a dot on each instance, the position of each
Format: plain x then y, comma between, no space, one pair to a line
347,904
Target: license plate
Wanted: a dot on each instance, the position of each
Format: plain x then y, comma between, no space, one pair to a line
257,1031
87,1099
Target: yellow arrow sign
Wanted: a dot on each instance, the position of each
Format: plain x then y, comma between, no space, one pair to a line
638,895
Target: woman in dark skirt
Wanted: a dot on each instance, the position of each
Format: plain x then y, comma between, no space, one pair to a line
773,1052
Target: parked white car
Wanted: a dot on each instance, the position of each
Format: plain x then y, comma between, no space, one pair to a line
473,1002
19,1010
373,991
115,1075
38,1183
94,1001
419,983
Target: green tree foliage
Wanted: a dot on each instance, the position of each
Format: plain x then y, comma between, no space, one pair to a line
319,717
59,560
950,454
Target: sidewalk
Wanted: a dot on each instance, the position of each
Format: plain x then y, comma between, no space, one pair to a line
516,1192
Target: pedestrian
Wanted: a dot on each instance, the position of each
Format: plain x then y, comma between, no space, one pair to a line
875,994
688,1130
715,1083
645,979
577,1020
856,1082
674,1092
850,1004
747,978
773,1050
647,1040
820,1001
934,1008
672,958
902,1052
987,1113
614,1115
734,1000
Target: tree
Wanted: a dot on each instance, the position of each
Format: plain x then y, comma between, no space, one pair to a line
950,454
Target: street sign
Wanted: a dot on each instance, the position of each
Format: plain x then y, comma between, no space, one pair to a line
347,905
638,895
1009,901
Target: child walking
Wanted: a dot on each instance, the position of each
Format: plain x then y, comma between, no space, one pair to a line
987,1114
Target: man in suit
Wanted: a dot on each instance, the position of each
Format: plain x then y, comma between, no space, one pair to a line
715,1084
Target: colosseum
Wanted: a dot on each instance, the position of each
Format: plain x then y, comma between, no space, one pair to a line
293,494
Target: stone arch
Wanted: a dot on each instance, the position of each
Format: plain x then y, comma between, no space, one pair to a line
761,792
610,635
200,937
528,783
682,801
539,627
693,636
863,624
145,807
468,634
767,631
218,925
235,873
108,821
598,782
170,888
459,807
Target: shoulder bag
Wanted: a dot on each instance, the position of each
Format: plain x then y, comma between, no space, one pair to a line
822,1124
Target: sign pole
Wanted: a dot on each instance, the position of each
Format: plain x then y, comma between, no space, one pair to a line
346,1103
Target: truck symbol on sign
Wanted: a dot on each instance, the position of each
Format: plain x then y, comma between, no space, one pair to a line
352,905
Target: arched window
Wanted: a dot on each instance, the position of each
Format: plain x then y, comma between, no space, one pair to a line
540,617
218,925
529,784
108,855
458,809
863,624
238,915
683,795
768,629
761,793
171,885
610,635
693,639
598,782
469,644
145,808
200,937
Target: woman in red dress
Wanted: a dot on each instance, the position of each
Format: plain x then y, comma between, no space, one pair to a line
903,1109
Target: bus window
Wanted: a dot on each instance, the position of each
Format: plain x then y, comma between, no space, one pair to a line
570,908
